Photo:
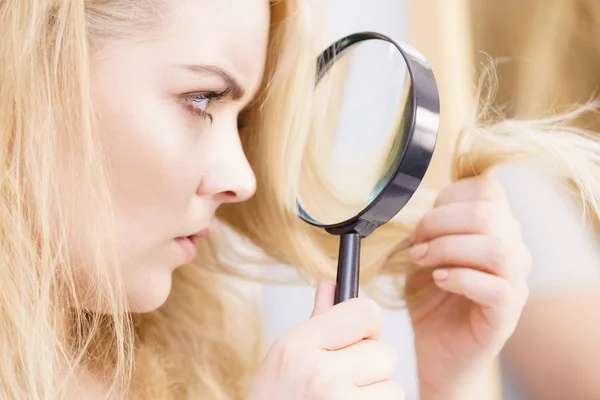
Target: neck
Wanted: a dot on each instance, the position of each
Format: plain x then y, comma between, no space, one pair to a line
86,386
88,379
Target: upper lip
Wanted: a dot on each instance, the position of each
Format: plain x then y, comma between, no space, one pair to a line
198,233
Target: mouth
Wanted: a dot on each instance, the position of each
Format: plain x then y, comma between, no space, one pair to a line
188,245
199,234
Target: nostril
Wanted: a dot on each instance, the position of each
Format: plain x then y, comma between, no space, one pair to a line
230,193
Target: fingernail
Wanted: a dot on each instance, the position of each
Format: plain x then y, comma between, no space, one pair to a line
419,251
440,274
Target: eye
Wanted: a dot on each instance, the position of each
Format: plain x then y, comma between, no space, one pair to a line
199,103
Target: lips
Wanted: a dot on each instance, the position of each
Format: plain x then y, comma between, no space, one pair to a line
201,234
188,245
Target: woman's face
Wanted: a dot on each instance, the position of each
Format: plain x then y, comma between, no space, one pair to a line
168,113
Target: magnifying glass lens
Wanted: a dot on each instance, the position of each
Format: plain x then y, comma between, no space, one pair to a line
371,141
358,133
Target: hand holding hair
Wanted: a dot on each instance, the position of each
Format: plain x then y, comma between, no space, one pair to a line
469,246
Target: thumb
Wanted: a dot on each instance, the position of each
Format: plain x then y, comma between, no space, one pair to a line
324,296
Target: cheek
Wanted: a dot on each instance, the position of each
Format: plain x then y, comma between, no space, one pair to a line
153,170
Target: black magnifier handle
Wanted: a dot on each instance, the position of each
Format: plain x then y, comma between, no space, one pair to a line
348,267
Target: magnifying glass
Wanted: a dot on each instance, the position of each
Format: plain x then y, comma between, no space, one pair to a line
374,130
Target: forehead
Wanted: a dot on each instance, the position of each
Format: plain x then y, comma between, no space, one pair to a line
232,34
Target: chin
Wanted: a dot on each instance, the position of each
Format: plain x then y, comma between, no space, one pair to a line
151,292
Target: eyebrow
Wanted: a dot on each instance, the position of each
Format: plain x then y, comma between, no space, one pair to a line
237,90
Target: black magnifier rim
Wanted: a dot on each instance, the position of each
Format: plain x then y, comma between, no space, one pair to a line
416,156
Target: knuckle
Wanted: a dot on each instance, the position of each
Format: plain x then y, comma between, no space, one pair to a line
483,215
498,251
323,387
482,189
287,350
370,311
280,344
525,293
383,353
501,293
428,221
423,226
391,390
458,277
307,367
489,190
389,354
442,251
511,225
320,379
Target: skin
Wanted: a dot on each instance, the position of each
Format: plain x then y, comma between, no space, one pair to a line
460,326
336,354
472,243
551,345
555,350
171,168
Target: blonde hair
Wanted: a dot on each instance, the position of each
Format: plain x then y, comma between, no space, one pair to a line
561,57
190,347
550,82
550,54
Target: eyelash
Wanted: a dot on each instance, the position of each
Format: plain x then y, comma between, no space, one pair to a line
209,97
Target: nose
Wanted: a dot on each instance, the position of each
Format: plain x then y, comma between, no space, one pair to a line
230,178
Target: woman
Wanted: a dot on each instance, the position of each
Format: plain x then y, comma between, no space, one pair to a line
119,122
